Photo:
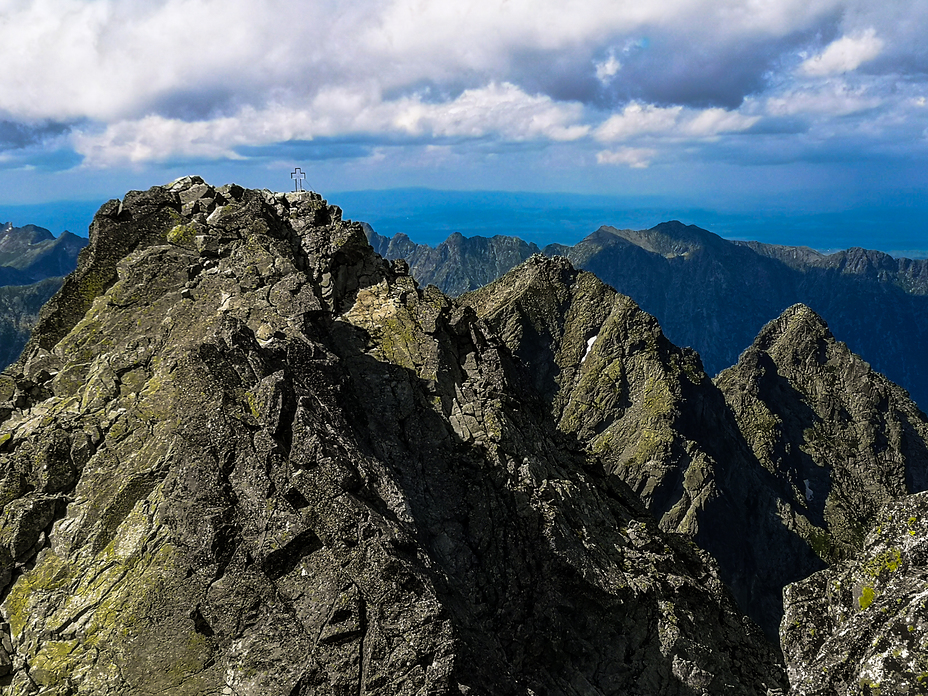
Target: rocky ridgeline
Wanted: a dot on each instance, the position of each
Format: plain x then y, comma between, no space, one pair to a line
242,454
714,294
459,264
776,470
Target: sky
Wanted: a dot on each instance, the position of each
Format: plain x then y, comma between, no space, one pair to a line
772,109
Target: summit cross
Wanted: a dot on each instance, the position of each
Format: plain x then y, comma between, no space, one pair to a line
297,175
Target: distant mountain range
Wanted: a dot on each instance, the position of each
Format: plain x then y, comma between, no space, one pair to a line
32,264
715,295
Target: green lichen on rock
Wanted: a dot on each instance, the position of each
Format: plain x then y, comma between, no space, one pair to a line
867,595
183,235
887,561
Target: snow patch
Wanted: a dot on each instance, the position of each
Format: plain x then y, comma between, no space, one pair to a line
589,347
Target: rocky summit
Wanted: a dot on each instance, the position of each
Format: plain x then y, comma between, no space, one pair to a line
242,454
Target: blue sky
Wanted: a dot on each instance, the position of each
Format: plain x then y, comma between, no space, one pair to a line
773,108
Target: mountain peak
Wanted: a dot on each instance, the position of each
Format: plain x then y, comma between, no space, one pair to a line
294,471
797,323
668,239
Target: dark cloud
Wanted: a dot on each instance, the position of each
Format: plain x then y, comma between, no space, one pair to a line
197,104
15,136
562,75
666,69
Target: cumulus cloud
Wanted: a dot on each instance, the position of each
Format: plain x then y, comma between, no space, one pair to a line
844,55
638,119
503,111
136,81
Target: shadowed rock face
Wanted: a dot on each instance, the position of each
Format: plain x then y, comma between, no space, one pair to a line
765,482
242,454
839,438
19,311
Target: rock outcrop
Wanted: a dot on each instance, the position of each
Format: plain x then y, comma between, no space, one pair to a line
241,454
861,626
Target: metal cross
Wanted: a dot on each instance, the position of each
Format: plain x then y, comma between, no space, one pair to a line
297,175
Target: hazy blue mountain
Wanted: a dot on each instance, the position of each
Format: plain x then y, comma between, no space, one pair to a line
30,253
32,264
459,264
715,295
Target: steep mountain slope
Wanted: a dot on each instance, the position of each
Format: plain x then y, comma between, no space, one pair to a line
19,311
840,436
715,295
30,254
242,454
614,381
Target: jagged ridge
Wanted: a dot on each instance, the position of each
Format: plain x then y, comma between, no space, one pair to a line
243,454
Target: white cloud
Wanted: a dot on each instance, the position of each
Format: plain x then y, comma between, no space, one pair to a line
150,81
115,59
498,110
634,157
833,99
844,55
607,69
638,119
501,109
709,123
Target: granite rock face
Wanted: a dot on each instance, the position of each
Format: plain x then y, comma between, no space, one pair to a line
242,454
861,626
